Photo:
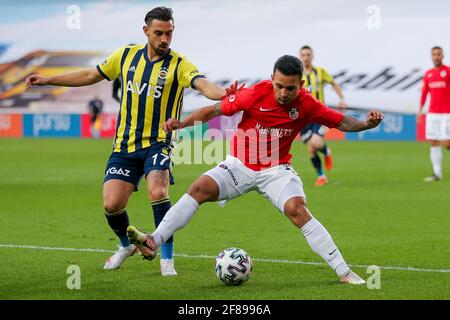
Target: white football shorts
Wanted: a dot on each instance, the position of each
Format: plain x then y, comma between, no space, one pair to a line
278,184
437,126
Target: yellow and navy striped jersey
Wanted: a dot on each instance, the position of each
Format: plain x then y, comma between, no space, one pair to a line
315,81
152,92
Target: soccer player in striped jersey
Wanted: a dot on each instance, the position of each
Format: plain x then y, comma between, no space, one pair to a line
153,79
313,135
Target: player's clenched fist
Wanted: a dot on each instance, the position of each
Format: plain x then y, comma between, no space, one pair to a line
36,79
374,117
171,124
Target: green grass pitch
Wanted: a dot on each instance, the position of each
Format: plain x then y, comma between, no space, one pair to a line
376,206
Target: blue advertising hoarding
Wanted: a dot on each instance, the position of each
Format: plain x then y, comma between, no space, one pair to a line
52,125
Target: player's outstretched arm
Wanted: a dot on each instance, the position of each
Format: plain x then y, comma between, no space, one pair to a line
351,124
209,89
201,115
337,88
72,79
212,91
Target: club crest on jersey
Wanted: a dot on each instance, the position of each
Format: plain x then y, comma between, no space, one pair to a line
232,98
443,73
293,113
162,76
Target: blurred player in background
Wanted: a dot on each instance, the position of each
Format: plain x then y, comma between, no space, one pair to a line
436,81
313,134
273,114
153,81
95,110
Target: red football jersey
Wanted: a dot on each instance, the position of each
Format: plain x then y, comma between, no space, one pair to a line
267,129
436,81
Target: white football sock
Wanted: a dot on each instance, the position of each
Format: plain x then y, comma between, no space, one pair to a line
436,160
321,243
176,218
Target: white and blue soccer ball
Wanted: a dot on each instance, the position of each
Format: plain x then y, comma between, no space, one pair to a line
233,266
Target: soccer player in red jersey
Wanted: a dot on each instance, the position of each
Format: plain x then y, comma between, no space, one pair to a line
274,112
436,81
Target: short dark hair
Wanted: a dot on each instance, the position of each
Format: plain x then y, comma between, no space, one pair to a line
289,66
436,48
306,47
158,13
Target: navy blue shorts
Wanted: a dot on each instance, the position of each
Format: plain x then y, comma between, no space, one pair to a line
310,129
131,167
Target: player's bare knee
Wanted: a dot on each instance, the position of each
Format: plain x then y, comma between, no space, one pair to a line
297,211
158,193
205,189
112,206
311,150
435,143
198,192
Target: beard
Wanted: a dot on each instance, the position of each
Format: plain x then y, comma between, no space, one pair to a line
161,50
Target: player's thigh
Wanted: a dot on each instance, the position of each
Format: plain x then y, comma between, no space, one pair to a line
232,177
116,194
158,184
279,184
122,176
433,127
316,141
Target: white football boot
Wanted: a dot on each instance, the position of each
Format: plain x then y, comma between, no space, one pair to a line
116,260
432,178
352,278
167,267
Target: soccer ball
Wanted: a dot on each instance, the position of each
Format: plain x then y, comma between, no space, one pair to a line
233,266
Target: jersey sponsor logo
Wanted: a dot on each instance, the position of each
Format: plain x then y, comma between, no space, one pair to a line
120,171
274,132
144,88
264,110
230,172
437,84
293,113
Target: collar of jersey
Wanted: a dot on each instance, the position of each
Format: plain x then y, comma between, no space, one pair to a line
157,60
